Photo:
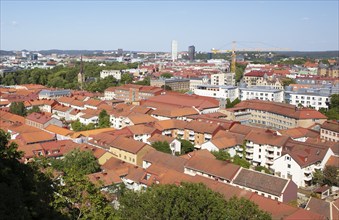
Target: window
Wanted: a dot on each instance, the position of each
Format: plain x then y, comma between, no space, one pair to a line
288,165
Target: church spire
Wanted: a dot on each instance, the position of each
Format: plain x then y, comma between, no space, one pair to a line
81,75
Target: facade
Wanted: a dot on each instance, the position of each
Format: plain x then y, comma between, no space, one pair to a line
53,94
307,99
218,92
299,160
278,115
191,53
223,79
261,93
174,50
263,147
109,93
133,93
40,120
195,82
329,131
115,73
175,84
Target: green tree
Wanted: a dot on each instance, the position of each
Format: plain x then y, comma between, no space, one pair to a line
25,192
221,155
104,119
334,101
34,109
244,209
166,75
166,87
239,71
126,78
77,161
287,82
241,162
261,168
77,198
18,108
318,177
331,176
77,126
162,146
188,201
186,146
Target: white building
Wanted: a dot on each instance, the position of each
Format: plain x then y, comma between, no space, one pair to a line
219,92
174,50
223,79
195,82
115,73
299,160
261,93
316,101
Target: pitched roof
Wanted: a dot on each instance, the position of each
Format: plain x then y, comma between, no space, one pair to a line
140,129
202,127
261,182
305,154
175,112
58,130
331,125
141,118
170,124
38,118
217,168
159,137
165,160
36,137
300,132
333,161
127,144
105,178
282,109
267,137
7,116
91,132
244,129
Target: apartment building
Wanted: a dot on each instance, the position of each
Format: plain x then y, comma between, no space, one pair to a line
261,93
195,82
311,97
217,91
299,160
115,73
132,93
223,79
53,94
173,83
278,115
40,120
329,131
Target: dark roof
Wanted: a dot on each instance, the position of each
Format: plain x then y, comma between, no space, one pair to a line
165,160
331,125
216,168
261,182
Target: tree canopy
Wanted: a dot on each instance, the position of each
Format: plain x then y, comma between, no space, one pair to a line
166,75
18,108
186,146
188,201
162,146
104,120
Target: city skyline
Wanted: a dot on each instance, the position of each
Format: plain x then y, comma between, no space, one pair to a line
151,26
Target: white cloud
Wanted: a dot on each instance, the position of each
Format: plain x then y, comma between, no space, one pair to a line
305,18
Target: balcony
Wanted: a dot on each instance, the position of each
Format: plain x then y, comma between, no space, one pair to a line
249,156
191,138
191,132
270,148
308,178
240,149
307,171
180,132
269,162
249,150
167,132
271,156
240,155
317,166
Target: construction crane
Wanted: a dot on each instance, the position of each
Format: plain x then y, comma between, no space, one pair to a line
234,56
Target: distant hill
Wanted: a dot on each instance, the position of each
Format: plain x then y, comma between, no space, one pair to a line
6,53
311,54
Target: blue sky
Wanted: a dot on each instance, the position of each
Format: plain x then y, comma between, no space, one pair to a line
151,25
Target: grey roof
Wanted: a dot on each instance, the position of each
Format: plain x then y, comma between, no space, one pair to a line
261,182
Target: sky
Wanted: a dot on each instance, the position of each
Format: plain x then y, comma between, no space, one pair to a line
152,25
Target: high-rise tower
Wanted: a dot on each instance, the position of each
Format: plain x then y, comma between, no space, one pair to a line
191,53
174,50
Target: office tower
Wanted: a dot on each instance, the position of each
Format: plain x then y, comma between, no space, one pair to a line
191,53
174,50
120,52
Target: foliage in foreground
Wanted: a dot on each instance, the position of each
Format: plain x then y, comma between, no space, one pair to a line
188,201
